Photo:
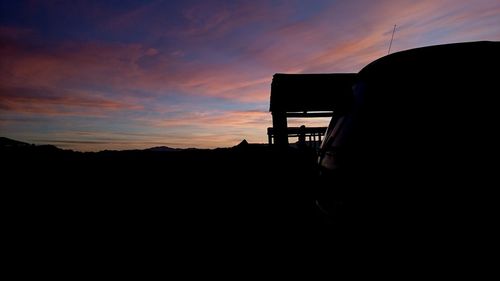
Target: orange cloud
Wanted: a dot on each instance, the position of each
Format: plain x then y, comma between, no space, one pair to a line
223,128
238,119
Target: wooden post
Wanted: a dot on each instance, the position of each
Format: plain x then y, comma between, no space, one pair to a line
280,128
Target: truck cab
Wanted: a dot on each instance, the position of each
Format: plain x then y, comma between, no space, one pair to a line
417,144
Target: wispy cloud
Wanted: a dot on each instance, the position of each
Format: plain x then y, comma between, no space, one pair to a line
52,102
347,36
123,69
237,119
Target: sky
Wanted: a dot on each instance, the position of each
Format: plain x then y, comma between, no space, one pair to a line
120,74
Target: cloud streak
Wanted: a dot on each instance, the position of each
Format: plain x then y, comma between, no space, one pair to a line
53,102
235,119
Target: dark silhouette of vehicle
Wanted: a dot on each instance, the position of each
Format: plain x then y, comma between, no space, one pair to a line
417,145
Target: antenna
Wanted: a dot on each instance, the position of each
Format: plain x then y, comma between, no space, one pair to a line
394,30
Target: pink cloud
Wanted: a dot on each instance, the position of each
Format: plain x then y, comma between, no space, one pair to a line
90,63
314,45
52,102
333,41
119,67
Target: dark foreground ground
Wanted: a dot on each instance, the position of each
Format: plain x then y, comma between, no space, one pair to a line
195,203
252,186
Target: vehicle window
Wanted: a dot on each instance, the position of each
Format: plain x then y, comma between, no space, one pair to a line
332,131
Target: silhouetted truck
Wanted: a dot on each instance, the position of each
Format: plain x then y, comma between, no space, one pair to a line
416,148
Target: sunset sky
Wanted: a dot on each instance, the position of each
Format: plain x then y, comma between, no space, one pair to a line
94,75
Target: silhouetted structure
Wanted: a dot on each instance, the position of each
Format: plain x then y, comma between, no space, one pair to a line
302,136
306,135
305,96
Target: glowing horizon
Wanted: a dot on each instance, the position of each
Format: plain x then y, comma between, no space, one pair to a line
102,75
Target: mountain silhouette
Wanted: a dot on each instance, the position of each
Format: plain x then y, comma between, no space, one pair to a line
162,149
6,142
242,144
